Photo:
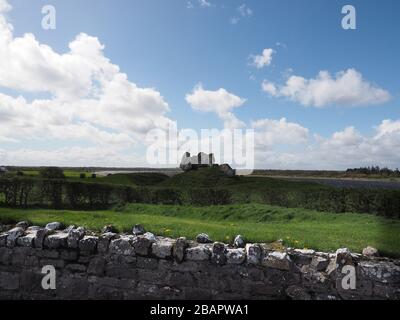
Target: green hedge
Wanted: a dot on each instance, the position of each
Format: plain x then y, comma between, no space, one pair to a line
61,193
380,202
209,197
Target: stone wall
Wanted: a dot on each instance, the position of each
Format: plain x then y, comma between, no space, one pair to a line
142,266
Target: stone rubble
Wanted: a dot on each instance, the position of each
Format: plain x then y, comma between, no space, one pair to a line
74,236
203,238
239,242
138,230
370,252
54,226
22,224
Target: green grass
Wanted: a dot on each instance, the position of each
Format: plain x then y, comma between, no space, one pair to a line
244,189
257,223
140,179
128,179
67,173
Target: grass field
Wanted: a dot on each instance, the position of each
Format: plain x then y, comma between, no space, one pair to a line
258,223
248,216
67,173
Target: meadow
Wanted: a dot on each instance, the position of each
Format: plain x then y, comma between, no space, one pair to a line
299,228
262,209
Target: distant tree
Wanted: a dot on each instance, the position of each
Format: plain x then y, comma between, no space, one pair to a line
20,173
52,173
94,176
376,170
82,175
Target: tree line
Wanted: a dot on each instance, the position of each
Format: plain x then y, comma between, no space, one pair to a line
64,194
375,170
380,202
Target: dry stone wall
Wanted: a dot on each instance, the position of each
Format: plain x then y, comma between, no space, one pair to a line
143,266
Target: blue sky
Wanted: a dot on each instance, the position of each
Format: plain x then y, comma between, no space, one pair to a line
172,46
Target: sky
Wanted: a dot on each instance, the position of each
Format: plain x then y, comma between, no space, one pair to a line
88,92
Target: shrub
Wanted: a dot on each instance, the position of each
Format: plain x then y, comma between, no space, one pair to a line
206,197
51,173
76,194
134,195
51,191
167,196
16,191
98,195
380,202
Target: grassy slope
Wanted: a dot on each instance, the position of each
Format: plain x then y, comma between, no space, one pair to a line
127,179
142,179
297,227
244,189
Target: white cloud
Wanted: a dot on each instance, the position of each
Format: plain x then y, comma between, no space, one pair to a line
269,132
343,149
281,44
243,12
27,65
262,60
71,156
349,137
91,103
4,6
234,20
90,99
269,87
204,3
219,101
388,128
347,88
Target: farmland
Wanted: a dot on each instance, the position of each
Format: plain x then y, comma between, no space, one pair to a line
298,228
304,214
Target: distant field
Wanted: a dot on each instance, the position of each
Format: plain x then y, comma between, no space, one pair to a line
298,228
74,172
339,179
129,179
323,174
67,173
389,184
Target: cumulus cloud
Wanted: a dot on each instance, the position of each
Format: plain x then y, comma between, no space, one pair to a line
220,102
388,128
343,149
279,144
269,132
96,116
89,98
269,87
262,60
4,6
346,88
